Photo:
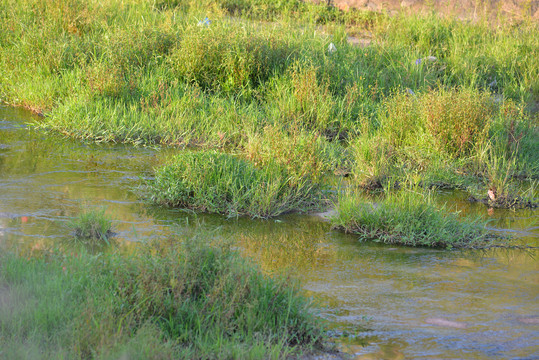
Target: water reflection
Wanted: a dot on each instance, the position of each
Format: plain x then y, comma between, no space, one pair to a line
391,302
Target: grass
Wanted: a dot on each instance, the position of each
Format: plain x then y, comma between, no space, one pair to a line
428,97
221,183
407,218
175,299
92,226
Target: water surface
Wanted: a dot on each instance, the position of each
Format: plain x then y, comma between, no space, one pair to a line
390,302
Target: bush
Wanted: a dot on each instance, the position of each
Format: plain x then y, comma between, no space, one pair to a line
229,57
459,120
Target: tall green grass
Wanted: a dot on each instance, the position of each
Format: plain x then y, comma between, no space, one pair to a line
180,298
407,217
428,96
92,225
221,183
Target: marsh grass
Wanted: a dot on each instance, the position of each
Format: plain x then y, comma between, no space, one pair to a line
221,183
177,298
299,152
92,226
146,73
407,217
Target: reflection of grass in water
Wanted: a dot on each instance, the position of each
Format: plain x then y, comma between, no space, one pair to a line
292,251
175,299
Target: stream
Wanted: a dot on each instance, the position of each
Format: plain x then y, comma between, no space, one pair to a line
385,302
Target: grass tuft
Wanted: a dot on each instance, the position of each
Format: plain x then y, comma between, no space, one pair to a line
409,218
174,299
222,183
92,226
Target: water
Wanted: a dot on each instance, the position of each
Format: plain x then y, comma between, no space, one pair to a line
389,302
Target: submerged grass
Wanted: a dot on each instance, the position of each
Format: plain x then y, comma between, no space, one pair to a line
221,183
407,217
173,299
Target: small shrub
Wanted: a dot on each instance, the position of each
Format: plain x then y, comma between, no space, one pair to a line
228,57
459,120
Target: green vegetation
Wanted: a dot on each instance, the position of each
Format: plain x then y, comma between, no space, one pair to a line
221,183
92,226
451,103
274,114
176,299
407,218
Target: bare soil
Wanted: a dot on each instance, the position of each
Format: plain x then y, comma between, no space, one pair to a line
517,10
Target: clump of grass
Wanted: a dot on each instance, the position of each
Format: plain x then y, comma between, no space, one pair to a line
510,155
458,120
303,98
298,151
373,162
228,57
179,298
222,183
500,189
92,225
406,217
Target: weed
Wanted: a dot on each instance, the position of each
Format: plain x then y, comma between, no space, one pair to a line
93,226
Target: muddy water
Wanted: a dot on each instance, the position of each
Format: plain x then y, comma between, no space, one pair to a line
386,302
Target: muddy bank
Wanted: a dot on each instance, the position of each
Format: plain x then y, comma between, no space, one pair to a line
464,9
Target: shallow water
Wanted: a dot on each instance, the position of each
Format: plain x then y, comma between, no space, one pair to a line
389,302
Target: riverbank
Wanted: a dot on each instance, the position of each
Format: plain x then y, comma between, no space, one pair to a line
181,298
442,103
